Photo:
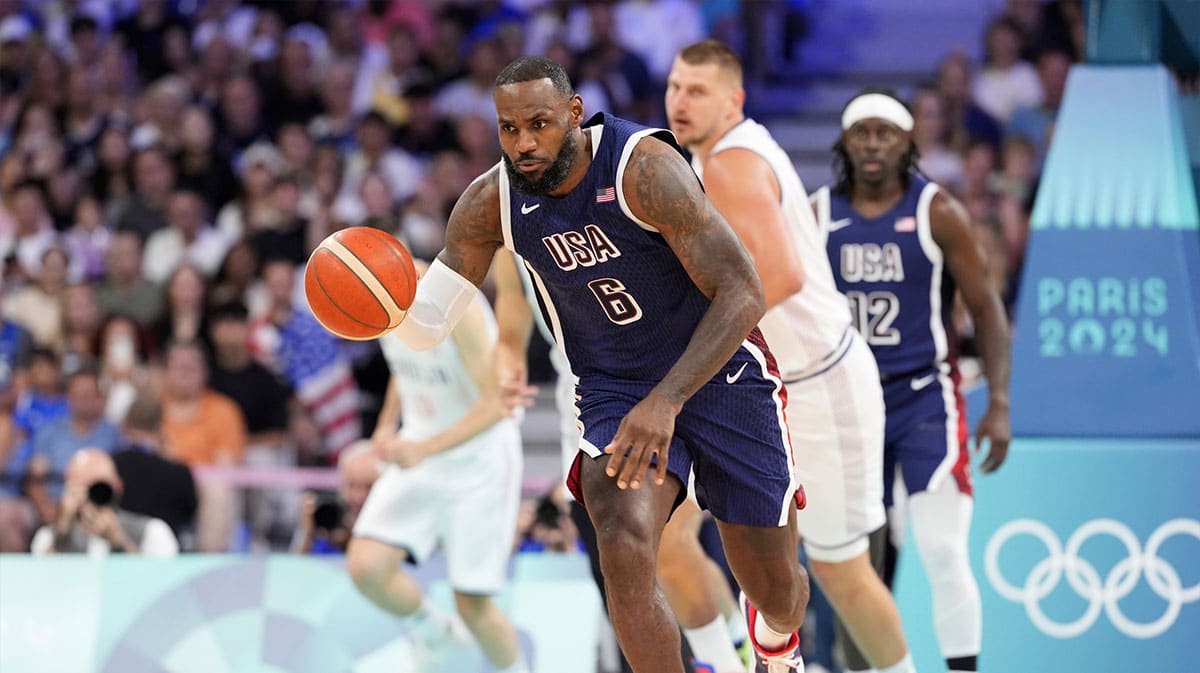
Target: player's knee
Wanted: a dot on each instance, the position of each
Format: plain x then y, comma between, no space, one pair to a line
944,556
473,608
784,595
626,558
365,569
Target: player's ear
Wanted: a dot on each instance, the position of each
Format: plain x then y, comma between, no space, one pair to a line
575,108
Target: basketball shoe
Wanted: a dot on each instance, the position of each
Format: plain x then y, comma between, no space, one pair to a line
784,660
438,643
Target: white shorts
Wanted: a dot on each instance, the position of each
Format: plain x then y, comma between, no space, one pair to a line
836,422
464,500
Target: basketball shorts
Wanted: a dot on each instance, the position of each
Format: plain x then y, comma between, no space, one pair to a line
464,501
925,441
731,436
836,421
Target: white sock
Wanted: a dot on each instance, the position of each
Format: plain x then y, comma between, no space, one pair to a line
429,622
905,665
768,638
518,666
737,629
711,644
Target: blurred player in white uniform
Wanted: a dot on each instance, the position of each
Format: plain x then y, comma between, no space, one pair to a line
454,482
835,408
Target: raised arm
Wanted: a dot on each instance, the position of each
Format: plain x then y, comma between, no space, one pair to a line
662,190
445,292
951,228
746,192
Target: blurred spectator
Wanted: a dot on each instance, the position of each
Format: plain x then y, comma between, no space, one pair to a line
110,179
293,96
122,347
25,228
472,94
154,485
546,526
200,426
262,398
623,74
123,289
979,162
163,103
375,154
937,146
241,123
1036,124
46,77
198,167
16,512
84,426
336,124
40,402
144,33
426,133
81,321
384,87
1006,83
284,232
325,523
88,239
183,318
258,167
90,520
38,306
291,340
15,32
83,119
188,237
153,181
1018,169
239,281
15,348
954,82
297,149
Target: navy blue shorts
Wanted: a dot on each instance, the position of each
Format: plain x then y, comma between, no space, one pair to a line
926,433
732,435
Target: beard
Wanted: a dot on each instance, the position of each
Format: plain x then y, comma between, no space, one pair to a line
552,177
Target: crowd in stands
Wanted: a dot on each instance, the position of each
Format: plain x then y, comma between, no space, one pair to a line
166,167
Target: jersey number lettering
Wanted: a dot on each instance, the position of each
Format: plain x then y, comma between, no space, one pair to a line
874,313
620,306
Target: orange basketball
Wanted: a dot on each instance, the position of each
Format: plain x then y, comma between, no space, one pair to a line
359,282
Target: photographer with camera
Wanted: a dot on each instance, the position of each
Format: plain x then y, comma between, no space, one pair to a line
90,521
325,522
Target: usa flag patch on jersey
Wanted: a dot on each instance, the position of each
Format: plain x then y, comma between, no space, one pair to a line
606,194
908,223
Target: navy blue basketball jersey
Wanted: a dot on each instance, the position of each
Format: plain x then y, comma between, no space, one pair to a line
894,275
613,293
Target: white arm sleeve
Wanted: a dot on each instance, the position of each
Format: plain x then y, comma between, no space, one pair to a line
442,298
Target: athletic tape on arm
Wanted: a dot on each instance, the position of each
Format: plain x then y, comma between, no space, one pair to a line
442,298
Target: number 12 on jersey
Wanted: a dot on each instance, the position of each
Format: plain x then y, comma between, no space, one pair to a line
873,314
620,306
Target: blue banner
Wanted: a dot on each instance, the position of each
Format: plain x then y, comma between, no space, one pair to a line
1087,555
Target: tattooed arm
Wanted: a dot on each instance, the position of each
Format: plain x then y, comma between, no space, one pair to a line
662,190
445,291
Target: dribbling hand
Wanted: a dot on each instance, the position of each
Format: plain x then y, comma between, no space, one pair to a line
995,428
646,433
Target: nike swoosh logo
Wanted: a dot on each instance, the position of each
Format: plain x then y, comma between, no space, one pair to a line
732,378
924,381
840,224
526,208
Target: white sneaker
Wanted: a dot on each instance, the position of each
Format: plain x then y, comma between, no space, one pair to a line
435,651
784,660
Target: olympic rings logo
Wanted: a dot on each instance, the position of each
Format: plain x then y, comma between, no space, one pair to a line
1161,576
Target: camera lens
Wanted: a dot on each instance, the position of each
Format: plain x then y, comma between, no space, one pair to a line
327,515
100,494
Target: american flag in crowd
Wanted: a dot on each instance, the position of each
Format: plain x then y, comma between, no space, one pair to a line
321,375
908,223
606,194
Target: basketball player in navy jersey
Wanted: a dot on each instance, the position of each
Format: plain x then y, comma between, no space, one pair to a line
899,248
654,302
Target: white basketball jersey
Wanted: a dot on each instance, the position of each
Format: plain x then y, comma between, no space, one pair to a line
806,331
435,387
